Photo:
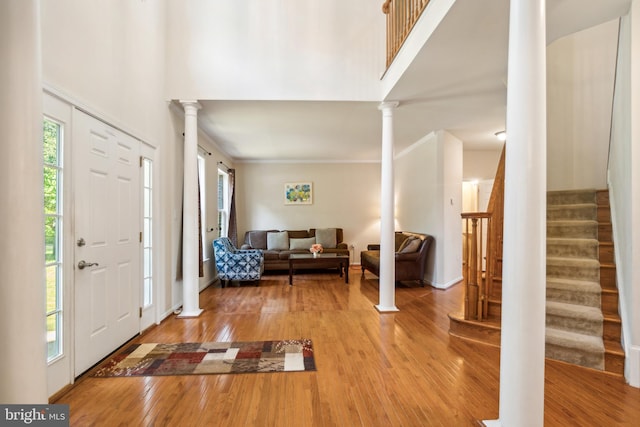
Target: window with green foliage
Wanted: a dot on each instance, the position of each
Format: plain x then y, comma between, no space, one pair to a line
147,219
52,151
223,203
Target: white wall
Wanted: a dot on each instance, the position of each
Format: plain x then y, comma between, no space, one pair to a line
216,51
429,200
480,165
345,195
624,179
580,75
110,56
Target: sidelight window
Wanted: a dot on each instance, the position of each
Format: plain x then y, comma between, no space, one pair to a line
53,216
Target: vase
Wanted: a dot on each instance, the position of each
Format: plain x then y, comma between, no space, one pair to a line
315,254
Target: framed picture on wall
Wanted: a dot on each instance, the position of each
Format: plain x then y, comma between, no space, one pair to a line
298,193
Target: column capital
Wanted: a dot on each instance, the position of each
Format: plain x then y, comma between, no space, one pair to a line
388,105
190,105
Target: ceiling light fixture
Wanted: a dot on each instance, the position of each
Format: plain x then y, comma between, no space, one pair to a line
502,135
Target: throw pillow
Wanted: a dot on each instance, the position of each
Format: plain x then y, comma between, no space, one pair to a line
327,237
301,243
411,244
278,241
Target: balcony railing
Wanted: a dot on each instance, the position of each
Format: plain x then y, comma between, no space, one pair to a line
401,17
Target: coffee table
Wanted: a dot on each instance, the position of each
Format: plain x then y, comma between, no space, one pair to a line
341,262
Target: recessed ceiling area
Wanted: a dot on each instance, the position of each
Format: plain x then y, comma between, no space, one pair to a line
457,82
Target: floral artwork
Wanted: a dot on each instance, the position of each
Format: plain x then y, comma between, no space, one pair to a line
298,193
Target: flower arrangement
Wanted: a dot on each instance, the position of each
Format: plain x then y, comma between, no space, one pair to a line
316,248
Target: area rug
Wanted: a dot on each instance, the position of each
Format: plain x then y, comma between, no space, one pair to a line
203,358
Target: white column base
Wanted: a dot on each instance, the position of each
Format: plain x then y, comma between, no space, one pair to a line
386,309
492,423
189,314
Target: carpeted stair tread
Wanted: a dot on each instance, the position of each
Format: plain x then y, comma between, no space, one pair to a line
571,347
572,317
572,248
573,268
573,291
571,197
568,261
572,212
578,229
574,340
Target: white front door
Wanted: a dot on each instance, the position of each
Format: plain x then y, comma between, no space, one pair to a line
106,239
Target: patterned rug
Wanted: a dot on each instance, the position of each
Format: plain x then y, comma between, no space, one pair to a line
210,358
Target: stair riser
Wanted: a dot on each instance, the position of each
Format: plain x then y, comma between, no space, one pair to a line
608,277
565,213
605,234
579,231
575,356
612,330
614,363
574,272
609,303
605,254
573,297
572,324
573,250
603,214
570,198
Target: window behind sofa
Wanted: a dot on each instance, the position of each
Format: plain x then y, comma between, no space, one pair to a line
223,203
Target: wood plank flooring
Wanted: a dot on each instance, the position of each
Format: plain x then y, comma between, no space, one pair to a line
396,369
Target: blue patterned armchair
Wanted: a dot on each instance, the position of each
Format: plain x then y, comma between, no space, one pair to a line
236,264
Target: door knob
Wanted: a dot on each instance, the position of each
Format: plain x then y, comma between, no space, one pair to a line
82,264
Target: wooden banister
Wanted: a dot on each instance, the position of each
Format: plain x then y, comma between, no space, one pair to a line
482,251
401,17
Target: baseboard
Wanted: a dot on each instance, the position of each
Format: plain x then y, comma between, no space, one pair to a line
632,366
444,285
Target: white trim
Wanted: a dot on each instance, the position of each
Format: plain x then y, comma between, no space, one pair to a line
305,161
632,361
632,368
95,113
445,285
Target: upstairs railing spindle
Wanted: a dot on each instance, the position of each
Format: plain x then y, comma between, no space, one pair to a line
401,17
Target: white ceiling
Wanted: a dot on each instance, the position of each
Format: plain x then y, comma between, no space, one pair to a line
457,82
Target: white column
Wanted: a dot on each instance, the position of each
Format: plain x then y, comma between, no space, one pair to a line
524,269
23,354
190,258
387,280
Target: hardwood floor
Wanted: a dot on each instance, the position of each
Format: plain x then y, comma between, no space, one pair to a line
396,369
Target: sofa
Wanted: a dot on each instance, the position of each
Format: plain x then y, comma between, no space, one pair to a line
277,245
411,251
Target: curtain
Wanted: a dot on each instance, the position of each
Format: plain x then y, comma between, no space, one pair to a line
233,224
200,251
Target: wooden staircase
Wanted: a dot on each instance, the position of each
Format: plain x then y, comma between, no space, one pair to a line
481,316
612,324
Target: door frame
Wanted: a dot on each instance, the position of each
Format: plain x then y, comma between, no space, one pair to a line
59,370
61,107
150,315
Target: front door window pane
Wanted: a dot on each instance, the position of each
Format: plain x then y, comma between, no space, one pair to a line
53,216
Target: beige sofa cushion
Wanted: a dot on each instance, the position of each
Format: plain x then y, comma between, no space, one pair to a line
326,237
278,240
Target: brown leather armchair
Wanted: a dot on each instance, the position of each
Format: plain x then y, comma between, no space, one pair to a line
411,256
